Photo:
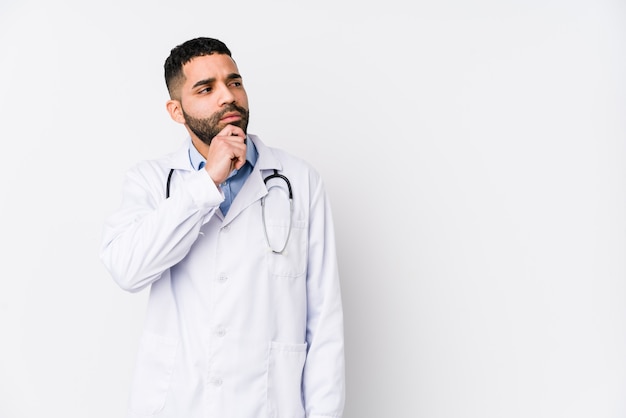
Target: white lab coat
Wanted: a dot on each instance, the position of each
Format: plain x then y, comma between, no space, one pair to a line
232,330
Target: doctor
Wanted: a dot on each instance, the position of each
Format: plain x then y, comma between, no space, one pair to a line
235,241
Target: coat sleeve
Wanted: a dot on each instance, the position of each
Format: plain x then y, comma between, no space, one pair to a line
324,375
148,233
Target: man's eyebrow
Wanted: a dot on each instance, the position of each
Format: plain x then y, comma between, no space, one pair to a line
204,82
233,76
208,81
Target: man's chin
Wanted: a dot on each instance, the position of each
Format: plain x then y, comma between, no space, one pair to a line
238,123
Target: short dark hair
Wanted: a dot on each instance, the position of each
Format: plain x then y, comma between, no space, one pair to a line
185,52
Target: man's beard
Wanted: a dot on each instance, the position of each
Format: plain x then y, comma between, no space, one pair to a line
207,128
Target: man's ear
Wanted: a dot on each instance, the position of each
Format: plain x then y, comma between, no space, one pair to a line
175,110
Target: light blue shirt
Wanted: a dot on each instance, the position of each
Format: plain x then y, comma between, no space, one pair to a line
235,180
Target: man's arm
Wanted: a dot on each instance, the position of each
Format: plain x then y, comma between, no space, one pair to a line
324,374
149,233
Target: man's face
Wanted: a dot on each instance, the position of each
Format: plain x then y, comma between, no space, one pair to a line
213,96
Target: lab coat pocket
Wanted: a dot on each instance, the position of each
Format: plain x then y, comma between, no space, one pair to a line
292,261
153,372
284,380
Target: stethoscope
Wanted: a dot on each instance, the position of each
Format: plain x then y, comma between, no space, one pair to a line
265,180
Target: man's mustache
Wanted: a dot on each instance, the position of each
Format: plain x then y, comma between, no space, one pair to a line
233,108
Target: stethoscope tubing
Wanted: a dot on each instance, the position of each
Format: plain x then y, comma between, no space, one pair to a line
276,174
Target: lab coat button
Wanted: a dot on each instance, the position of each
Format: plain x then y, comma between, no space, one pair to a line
226,228
222,278
220,332
217,381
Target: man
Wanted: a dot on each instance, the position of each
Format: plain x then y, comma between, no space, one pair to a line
235,240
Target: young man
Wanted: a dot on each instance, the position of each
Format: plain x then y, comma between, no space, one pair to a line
235,240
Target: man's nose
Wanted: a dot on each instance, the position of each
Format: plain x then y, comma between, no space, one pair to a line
225,95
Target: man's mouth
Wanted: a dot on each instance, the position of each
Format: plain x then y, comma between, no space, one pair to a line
231,117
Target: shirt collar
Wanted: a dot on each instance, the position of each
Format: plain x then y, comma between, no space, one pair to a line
197,160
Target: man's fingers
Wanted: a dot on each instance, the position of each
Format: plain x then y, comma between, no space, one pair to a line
227,152
232,130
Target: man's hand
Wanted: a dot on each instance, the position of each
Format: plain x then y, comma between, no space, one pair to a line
227,152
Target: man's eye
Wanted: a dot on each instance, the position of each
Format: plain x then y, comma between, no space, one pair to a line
205,90
236,84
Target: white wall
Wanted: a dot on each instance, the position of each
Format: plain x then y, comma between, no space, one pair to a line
475,157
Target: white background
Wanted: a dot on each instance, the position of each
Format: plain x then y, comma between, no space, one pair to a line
474,153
